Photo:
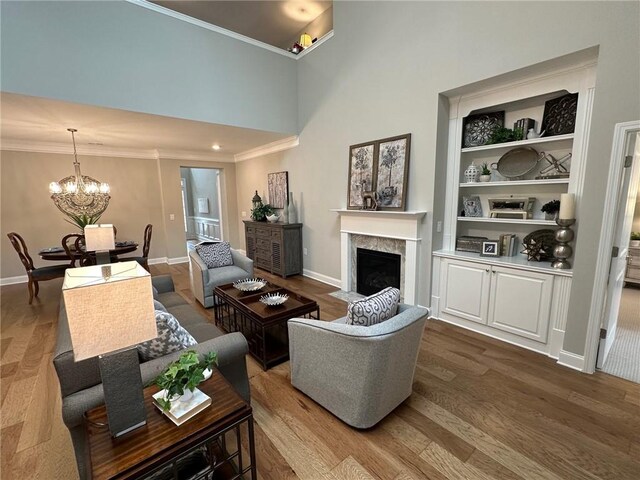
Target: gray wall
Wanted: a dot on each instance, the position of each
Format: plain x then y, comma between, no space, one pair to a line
381,75
120,55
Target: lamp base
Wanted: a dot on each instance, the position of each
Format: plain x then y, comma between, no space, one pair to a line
103,257
122,385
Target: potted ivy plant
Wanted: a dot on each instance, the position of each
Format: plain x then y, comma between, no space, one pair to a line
485,174
551,209
635,239
260,212
181,377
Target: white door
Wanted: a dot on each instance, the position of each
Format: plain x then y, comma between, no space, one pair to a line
520,302
465,290
629,180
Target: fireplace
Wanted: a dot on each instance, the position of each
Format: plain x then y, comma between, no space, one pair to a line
376,270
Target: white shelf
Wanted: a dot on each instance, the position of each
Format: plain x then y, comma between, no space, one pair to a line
530,221
513,183
508,145
517,261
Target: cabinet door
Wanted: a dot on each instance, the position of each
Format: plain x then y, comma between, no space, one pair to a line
465,290
520,302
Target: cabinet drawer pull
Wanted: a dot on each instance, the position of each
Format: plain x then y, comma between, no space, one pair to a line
487,270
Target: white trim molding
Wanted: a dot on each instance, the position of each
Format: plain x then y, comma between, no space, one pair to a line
571,360
176,260
335,282
273,147
607,232
157,261
13,280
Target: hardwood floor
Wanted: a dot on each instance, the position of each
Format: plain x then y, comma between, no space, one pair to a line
481,409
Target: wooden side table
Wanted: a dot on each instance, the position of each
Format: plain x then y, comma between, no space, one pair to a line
199,448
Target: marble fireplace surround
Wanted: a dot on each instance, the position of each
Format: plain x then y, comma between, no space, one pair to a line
384,231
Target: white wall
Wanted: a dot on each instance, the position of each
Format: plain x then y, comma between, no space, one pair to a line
120,55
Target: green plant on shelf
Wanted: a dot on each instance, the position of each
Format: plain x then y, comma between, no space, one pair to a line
261,212
503,135
485,169
635,235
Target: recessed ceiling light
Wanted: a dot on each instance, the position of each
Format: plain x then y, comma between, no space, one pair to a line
215,146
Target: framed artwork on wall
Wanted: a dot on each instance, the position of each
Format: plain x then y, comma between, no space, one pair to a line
361,173
203,205
278,187
392,170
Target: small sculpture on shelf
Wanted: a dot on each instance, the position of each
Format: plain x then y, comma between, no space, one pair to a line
369,200
551,209
535,250
260,211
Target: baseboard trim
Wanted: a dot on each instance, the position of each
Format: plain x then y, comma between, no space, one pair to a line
334,282
176,260
156,261
13,280
571,360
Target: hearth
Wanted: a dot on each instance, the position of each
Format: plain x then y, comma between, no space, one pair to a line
376,270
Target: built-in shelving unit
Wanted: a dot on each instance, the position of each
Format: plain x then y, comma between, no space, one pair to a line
515,221
519,143
515,183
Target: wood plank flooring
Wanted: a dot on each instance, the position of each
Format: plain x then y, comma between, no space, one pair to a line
481,409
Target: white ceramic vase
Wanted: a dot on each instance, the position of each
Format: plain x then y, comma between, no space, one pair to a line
471,173
485,178
291,210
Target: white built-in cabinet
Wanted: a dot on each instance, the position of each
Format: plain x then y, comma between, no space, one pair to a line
510,298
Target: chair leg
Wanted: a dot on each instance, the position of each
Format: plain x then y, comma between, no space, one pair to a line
30,291
37,289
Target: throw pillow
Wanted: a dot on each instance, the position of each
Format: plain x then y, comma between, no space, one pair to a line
215,255
374,309
158,306
172,337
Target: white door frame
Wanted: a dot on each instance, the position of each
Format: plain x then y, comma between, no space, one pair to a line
603,259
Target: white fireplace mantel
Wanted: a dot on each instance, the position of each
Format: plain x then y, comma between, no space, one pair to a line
386,224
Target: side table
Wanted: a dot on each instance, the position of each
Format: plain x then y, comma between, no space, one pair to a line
210,445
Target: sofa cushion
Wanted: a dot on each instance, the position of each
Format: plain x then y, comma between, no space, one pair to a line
215,255
223,275
171,299
374,309
203,332
187,315
171,338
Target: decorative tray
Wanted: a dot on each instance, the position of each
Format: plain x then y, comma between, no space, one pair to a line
250,284
274,299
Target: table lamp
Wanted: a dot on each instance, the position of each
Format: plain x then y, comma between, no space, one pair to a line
100,239
107,318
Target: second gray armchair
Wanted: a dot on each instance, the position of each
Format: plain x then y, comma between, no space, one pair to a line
204,279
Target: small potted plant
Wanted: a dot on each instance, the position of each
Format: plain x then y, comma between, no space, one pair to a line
261,212
181,377
551,209
635,239
485,174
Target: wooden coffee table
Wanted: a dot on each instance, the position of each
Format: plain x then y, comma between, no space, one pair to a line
199,448
264,327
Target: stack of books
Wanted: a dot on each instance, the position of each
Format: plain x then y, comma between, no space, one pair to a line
180,412
508,245
524,124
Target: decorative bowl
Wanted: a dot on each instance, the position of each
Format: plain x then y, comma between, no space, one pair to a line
250,284
274,299
273,218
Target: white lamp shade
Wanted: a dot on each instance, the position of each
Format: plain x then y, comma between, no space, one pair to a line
106,315
99,238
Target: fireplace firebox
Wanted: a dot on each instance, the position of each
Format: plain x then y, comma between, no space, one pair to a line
376,270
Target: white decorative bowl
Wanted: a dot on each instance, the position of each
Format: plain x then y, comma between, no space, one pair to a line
273,218
250,284
274,299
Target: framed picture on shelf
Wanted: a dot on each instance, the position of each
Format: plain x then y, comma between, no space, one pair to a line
560,115
478,129
490,248
278,187
392,171
361,173
472,206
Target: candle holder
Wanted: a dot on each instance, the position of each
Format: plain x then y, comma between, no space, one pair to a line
562,251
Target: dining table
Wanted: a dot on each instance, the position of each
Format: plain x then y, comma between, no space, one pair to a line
57,254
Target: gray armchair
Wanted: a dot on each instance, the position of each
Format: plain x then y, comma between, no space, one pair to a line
204,279
360,374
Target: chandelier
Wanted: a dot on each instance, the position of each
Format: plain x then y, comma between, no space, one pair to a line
79,195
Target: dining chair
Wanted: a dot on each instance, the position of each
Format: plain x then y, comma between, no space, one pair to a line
35,275
144,259
77,253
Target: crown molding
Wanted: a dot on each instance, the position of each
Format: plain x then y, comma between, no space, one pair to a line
314,45
277,146
102,151
67,149
211,27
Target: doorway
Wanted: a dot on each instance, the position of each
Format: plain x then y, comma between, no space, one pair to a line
201,204
619,345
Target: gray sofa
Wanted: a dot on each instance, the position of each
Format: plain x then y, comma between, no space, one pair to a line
204,279
80,382
358,373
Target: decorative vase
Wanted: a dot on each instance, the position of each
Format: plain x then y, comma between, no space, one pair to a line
634,243
285,212
471,173
551,216
485,178
291,210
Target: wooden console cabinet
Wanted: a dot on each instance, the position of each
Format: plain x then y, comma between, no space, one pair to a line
276,247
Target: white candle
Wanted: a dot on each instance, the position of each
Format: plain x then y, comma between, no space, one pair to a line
567,206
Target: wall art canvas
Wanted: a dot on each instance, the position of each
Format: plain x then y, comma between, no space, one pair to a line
478,129
392,171
278,187
203,205
361,173
560,115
